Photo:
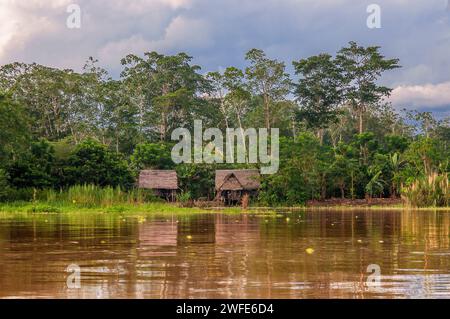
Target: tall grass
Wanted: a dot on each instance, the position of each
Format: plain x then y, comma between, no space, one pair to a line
95,196
432,190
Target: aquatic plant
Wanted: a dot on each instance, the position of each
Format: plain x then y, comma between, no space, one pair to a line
43,209
431,190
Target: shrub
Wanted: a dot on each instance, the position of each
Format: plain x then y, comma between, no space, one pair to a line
184,197
10,194
152,155
92,163
34,168
4,186
432,190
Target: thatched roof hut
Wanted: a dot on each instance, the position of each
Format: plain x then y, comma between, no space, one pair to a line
158,179
237,180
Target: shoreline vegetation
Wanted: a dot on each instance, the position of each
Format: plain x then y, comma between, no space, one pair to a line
173,209
339,136
91,198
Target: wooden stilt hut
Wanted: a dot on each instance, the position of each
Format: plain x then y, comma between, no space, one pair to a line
164,183
234,187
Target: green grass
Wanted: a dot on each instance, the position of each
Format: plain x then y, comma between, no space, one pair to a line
170,209
37,207
89,198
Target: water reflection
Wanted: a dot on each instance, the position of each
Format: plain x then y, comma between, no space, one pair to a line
227,256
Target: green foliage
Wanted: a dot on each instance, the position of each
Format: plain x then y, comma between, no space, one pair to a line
375,185
395,143
14,131
268,79
93,163
196,179
33,168
342,173
339,137
43,209
425,155
152,155
4,186
319,90
184,197
428,191
302,172
361,68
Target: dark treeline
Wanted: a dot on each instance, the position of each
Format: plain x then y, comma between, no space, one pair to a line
339,135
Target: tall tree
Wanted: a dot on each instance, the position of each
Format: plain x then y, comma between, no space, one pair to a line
50,96
362,67
268,79
14,132
319,91
165,87
228,89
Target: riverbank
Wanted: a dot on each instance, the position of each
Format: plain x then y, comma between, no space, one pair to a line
170,208
160,208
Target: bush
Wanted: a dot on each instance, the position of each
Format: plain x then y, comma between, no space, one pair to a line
34,168
152,155
432,190
10,194
92,163
4,186
184,197
196,179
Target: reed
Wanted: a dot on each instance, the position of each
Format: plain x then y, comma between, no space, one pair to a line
95,196
428,191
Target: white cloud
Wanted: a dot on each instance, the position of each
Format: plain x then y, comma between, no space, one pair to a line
422,96
22,20
218,33
181,33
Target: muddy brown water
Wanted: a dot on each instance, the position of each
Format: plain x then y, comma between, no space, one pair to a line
320,254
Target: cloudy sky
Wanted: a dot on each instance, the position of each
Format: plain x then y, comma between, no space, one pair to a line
218,33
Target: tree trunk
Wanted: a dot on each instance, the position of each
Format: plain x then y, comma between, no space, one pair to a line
294,132
361,129
163,127
267,111
242,135
320,134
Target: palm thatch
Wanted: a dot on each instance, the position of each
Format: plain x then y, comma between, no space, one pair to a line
239,179
158,179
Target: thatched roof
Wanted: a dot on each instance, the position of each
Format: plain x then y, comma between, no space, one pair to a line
158,179
238,179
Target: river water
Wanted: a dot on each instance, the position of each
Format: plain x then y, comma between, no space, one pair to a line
297,254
